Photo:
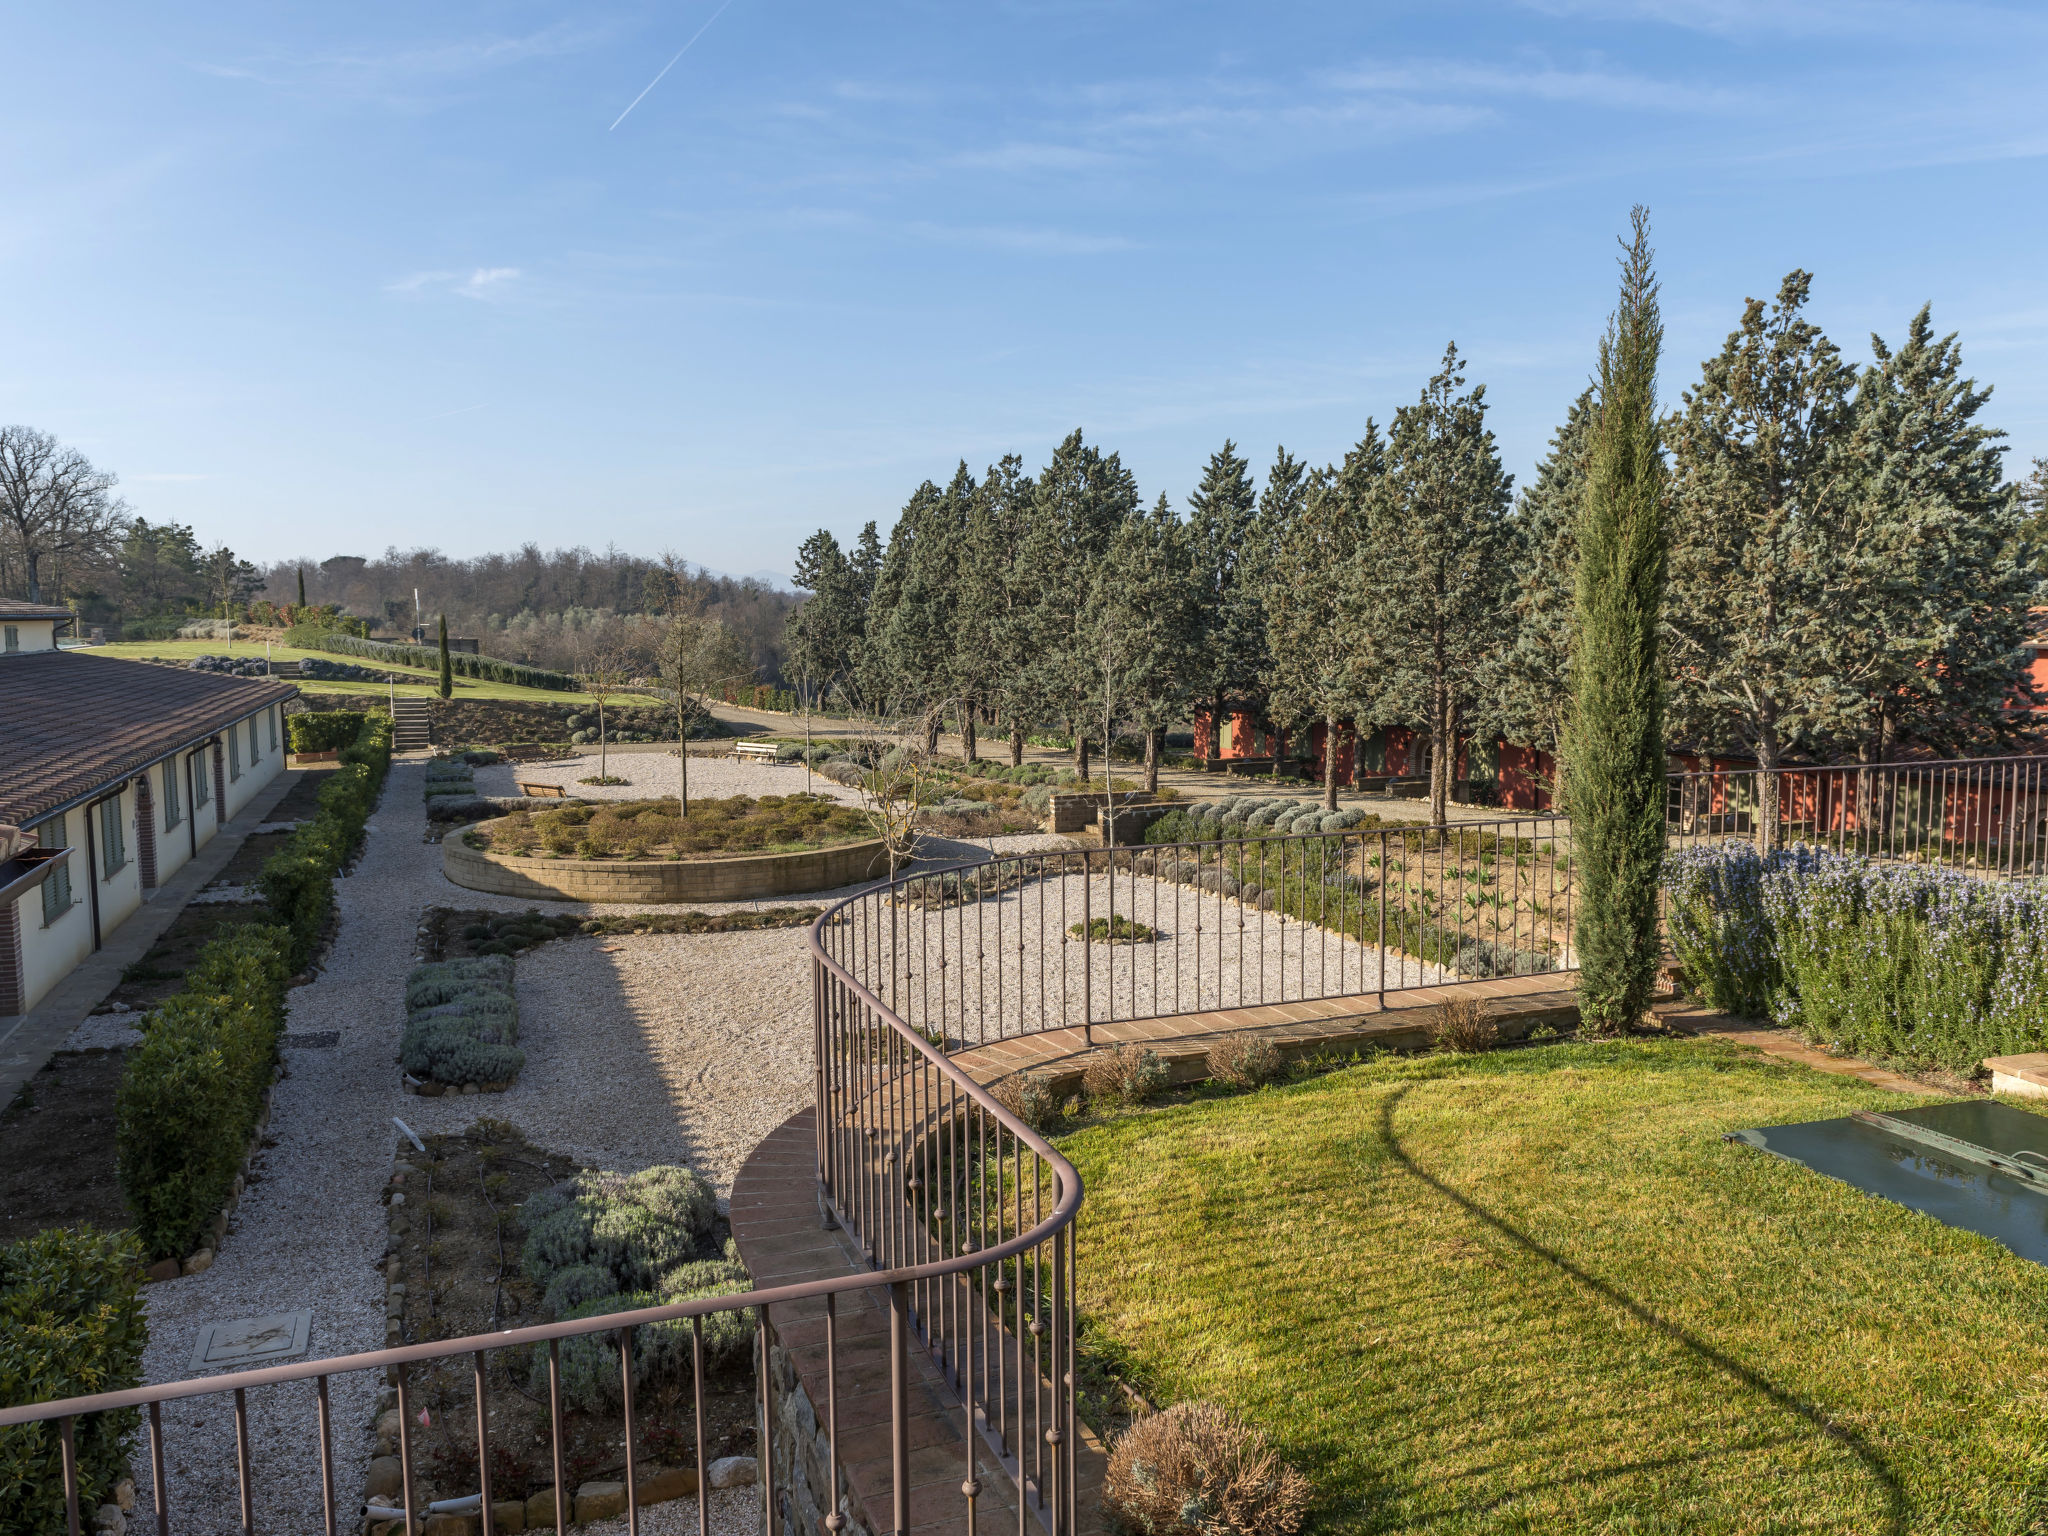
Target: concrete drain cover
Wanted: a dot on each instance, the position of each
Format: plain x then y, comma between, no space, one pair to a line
317,1040
253,1340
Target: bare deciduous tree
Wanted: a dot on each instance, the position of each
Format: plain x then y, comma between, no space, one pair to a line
603,670
698,656
54,504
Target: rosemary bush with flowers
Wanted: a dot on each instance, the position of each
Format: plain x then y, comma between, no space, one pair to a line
1933,967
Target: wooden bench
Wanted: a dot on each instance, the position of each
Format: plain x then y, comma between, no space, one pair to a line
543,791
764,750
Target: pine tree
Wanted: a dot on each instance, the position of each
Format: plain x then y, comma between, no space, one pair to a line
991,659
1289,484
1531,694
1431,586
1756,540
1221,511
1146,630
1079,501
447,687
1615,743
1317,668
1930,622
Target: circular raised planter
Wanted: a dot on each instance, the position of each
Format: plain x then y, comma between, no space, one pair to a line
714,877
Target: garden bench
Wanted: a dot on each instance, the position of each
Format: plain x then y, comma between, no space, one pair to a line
543,791
764,750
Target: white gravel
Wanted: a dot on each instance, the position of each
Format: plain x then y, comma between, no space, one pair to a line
652,774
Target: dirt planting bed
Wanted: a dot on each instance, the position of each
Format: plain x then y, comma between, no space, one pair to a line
57,1148
457,1260
453,933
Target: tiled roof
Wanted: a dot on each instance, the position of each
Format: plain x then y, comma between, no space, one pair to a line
12,608
71,724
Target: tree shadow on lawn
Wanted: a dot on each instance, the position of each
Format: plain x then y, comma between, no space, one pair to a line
1880,1472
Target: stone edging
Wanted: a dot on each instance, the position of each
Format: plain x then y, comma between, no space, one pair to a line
731,877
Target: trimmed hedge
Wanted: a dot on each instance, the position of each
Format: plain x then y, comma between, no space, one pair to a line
191,1094
298,880
487,669
327,731
1902,962
71,1324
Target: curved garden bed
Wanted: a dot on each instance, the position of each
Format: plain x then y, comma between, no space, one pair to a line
704,877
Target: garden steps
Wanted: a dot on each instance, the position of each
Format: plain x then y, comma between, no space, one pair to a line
1518,1005
777,1226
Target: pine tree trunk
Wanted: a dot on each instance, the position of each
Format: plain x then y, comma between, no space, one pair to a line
1152,760
1080,750
1016,742
1216,725
1442,748
1279,748
969,742
1329,762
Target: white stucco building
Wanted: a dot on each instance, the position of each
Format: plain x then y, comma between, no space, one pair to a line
112,775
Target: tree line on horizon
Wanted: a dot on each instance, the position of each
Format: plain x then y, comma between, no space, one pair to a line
1849,571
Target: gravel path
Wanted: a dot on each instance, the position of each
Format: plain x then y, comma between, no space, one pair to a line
651,774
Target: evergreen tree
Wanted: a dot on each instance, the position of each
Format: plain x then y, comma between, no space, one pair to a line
1431,586
2034,508
1221,511
1289,484
447,685
991,621
882,683
1318,669
1929,626
1532,692
1146,631
918,642
1756,543
1079,501
825,632
302,586
1615,743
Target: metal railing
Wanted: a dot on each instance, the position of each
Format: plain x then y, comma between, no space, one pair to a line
1985,815
963,1212
1026,943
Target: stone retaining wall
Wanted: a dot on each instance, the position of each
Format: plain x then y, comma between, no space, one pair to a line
729,878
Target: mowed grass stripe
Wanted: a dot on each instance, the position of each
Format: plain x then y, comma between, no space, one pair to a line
1536,1291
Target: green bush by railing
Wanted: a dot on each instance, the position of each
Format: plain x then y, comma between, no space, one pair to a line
1928,966
71,1324
298,880
487,669
325,731
192,1092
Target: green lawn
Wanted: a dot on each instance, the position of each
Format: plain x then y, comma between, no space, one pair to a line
1537,1292
465,687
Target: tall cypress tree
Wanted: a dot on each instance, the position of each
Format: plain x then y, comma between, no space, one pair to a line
1616,737
447,687
302,586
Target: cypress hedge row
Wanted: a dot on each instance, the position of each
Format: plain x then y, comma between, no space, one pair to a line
71,1324
192,1093
487,669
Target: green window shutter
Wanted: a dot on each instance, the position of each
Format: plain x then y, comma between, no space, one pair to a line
56,889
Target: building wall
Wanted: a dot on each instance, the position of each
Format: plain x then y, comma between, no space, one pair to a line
268,761
48,952
32,634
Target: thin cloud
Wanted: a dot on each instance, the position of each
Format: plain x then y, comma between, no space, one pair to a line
1052,242
1589,87
402,71
477,283
165,478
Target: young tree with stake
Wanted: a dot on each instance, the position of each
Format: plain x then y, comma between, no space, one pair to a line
698,657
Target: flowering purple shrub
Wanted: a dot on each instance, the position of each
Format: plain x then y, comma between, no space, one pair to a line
1930,966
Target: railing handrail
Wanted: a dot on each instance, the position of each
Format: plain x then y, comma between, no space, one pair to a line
1062,1213
1895,764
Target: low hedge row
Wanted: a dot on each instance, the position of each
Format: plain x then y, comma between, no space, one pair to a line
462,1022
487,669
192,1092
71,1324
1932,967
298,880
325,731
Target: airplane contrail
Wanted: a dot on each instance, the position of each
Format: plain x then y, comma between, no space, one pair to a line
671,64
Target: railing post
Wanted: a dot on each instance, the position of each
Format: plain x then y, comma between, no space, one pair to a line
899,1403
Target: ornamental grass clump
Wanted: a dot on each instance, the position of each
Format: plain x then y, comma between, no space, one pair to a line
1197,1469
1462,1025
1932,967
1245,1061
1029,1097
1130,1074
608,1242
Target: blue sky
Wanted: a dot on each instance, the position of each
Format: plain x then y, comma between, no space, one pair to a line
325,279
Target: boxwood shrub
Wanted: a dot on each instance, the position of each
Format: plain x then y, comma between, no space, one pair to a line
298,880
71,1324
192,1092
325,731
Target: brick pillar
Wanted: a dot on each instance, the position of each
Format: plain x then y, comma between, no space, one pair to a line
13,977
145,833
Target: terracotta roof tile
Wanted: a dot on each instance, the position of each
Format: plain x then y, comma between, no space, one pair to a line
14,608
71,723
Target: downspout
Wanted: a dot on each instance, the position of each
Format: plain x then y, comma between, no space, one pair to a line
92,874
